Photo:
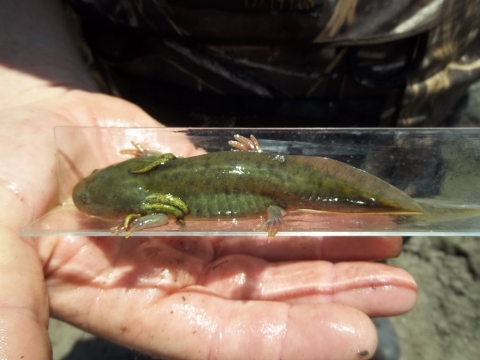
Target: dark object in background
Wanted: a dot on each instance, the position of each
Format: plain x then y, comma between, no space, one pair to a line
388,344
285,63
99,349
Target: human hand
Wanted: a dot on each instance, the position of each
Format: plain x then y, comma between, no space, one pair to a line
195,298
28,189
177,297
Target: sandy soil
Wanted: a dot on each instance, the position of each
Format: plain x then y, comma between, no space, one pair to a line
445,323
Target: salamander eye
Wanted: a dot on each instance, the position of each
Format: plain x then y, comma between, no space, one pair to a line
85,199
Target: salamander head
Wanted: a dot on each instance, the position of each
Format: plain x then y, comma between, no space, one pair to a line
88,195
111,192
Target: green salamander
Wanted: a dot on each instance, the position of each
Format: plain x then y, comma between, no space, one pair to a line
232,184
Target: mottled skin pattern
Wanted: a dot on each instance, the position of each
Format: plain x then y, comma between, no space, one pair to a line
238,183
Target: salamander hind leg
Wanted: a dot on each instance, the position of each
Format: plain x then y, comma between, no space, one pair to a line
274,222
244,144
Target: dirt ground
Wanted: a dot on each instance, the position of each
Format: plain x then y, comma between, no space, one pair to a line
445,323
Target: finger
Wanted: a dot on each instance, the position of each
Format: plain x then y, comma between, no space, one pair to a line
109,264
23,300
374,288
149,295
192,325
334,248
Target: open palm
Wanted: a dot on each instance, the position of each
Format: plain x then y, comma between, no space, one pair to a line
177,297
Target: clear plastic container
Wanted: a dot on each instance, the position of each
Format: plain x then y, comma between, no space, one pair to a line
439,168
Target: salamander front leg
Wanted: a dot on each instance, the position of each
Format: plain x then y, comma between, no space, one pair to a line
274,222
140,151
157,158
156,162
136,222
154,212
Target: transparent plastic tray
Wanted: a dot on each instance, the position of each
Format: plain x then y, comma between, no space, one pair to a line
440,168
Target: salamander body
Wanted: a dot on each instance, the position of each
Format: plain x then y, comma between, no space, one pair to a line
233,184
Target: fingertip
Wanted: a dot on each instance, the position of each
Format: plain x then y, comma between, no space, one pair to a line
329,332
375,288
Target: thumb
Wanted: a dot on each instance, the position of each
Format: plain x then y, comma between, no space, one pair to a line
23,298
